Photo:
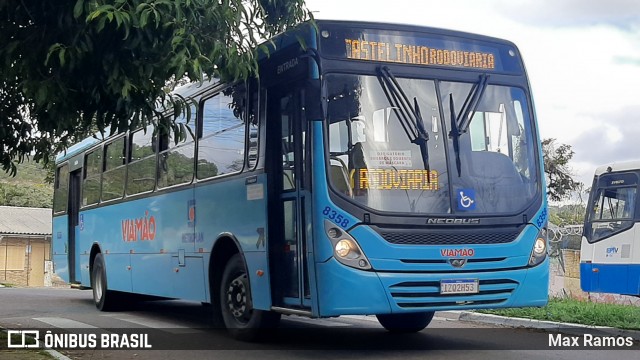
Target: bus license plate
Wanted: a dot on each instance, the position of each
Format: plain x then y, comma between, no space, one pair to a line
459,286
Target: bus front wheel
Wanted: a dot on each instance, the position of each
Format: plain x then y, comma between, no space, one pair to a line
240,318
405,323
104,299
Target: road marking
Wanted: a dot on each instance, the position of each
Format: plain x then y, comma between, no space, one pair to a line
65,323
165,326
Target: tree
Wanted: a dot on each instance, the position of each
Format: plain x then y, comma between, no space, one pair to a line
71,65
28,188
560,183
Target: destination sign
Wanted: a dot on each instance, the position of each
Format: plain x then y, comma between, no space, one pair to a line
417,55
420,47
618,179
391,179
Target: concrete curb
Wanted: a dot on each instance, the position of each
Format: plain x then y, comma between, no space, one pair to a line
57,355
535,324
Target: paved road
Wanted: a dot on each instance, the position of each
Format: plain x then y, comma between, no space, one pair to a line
185,326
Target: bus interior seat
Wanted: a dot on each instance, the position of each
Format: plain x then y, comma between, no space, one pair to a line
489,164
356,163
340,176
494,172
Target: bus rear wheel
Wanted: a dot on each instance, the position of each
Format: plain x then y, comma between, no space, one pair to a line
240,318
405,323
104,298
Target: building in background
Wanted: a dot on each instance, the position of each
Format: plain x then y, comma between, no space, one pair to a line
25,246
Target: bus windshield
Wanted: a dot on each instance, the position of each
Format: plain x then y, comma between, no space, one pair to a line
392,147
612,206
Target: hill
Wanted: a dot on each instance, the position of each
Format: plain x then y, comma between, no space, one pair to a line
28,188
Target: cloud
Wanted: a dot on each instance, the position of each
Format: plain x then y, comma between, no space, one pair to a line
614,138
624,14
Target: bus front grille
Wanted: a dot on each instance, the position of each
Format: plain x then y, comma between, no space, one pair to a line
438,237
423,294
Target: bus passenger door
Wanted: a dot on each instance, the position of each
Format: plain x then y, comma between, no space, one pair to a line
288,198
75,179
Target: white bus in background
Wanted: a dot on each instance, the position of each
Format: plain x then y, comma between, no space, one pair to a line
610,249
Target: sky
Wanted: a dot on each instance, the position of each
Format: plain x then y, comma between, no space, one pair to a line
582,58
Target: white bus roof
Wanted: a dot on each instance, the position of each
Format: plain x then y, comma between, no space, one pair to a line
618,166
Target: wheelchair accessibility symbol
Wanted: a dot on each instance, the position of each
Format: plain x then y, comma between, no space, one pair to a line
466,199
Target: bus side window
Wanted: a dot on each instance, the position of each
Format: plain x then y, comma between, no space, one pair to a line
114,170
254,127
61,192
142,162
221,148
92,177
175,162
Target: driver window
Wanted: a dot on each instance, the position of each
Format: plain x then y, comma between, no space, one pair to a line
346,154
380,122
615,204
488,131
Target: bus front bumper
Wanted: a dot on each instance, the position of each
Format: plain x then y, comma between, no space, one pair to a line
347,291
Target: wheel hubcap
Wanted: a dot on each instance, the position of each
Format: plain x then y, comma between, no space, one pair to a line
237,299
97,287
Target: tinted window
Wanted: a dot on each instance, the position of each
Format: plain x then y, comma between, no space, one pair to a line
221,148
142,163
91,181
254,131
114,170
61,189
612,211
175,163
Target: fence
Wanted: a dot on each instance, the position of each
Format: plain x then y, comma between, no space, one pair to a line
564,250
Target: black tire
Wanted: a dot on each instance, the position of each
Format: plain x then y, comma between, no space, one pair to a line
405,323
105,299
241,320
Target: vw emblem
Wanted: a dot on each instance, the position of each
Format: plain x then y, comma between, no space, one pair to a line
457,262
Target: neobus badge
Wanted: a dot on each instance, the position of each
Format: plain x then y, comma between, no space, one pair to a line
447,221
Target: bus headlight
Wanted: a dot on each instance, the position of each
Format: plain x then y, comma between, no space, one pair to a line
539,251
345,248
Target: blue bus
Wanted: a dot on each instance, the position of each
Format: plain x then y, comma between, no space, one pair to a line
377,169
610,248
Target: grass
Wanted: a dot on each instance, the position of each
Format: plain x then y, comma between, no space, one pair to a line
20,354
578,312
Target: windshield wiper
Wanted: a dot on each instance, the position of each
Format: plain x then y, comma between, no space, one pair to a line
409,116
454,134
460,122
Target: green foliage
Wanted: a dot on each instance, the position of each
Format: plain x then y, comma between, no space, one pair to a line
27,195
579,312
28,188
68,66
560,183
567,214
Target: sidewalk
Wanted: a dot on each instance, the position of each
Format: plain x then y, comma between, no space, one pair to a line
533,324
